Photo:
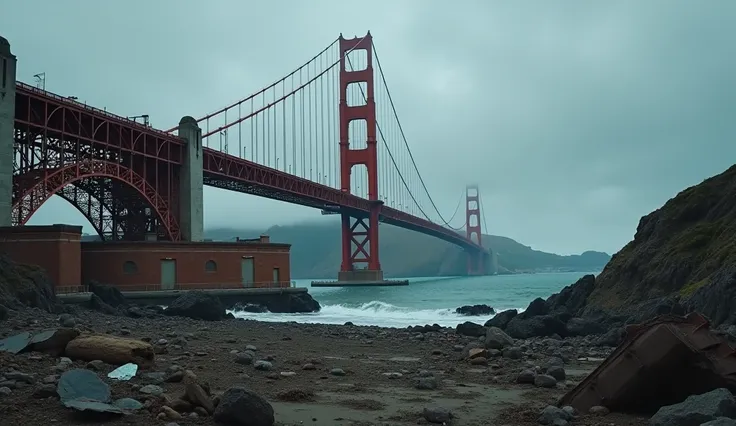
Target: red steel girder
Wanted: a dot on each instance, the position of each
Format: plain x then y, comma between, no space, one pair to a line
236,174
37,186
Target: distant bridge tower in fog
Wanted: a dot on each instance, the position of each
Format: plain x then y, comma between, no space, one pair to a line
479,262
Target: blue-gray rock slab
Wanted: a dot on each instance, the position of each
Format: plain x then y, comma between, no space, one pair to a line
697,409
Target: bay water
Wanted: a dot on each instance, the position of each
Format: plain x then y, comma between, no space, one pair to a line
424,301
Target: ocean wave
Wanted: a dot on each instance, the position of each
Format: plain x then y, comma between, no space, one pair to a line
372,313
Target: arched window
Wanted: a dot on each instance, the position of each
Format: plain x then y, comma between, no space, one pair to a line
210,266
129,267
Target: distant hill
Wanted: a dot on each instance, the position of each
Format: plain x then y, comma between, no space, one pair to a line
315,252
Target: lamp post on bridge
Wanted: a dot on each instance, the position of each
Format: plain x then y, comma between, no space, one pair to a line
40,80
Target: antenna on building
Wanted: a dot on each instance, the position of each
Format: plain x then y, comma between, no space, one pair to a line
40,80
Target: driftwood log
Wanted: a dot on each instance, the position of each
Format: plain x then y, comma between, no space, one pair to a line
111,350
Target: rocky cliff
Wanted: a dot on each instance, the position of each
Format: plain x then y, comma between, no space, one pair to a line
24,286
682,259
685,251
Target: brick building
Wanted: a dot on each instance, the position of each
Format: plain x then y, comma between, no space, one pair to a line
147,265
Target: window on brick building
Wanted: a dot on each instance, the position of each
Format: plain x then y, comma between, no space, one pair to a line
129,267
210,266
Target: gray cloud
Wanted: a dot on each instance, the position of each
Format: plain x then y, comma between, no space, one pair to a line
575,118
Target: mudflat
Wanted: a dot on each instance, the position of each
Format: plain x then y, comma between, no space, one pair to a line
311,374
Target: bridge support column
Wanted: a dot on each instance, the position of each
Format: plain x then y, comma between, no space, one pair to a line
191,197
360,259
477,260
7,125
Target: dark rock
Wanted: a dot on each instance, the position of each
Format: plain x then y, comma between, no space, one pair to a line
537,307
25,286
497,339
108,294
526,377
97,304
558,372
426,383
554,416
521,327
584,327
250,307
424,328
721,421
697,409
470,329
544,381
293,303
572,298
3,313
197,305
501,319
717,299
53,341
242,407
475,344
437,414
45,391
612,338
475,310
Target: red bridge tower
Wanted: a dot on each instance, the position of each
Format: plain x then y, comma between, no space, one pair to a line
360,261
476,259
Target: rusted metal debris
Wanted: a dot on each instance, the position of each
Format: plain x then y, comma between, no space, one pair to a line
660,362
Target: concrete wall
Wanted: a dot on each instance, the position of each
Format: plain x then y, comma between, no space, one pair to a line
55,248
191,197
7,121
104,262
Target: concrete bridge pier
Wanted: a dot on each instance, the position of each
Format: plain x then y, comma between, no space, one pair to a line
191,182
7,122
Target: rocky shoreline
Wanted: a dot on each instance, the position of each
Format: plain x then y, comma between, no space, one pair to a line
566,314
310,373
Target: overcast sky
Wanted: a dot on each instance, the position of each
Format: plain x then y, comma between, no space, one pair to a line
575,117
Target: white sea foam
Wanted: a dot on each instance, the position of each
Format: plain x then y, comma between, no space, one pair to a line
372,313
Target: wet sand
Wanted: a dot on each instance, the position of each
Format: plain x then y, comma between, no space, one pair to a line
381,368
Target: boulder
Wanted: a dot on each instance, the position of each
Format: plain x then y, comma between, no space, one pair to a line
25,286
107,293
536,326
97,304
53,342
497,339
242,407
292,303
470,329
697,409
475,310
501,319
110,349
584,327
195,393
197,304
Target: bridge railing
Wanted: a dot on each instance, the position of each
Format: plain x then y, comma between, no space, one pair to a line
97,111
187,286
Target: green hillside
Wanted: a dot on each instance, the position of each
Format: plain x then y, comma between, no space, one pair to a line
315,252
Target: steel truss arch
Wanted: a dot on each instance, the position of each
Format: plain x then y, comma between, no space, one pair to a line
48,182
